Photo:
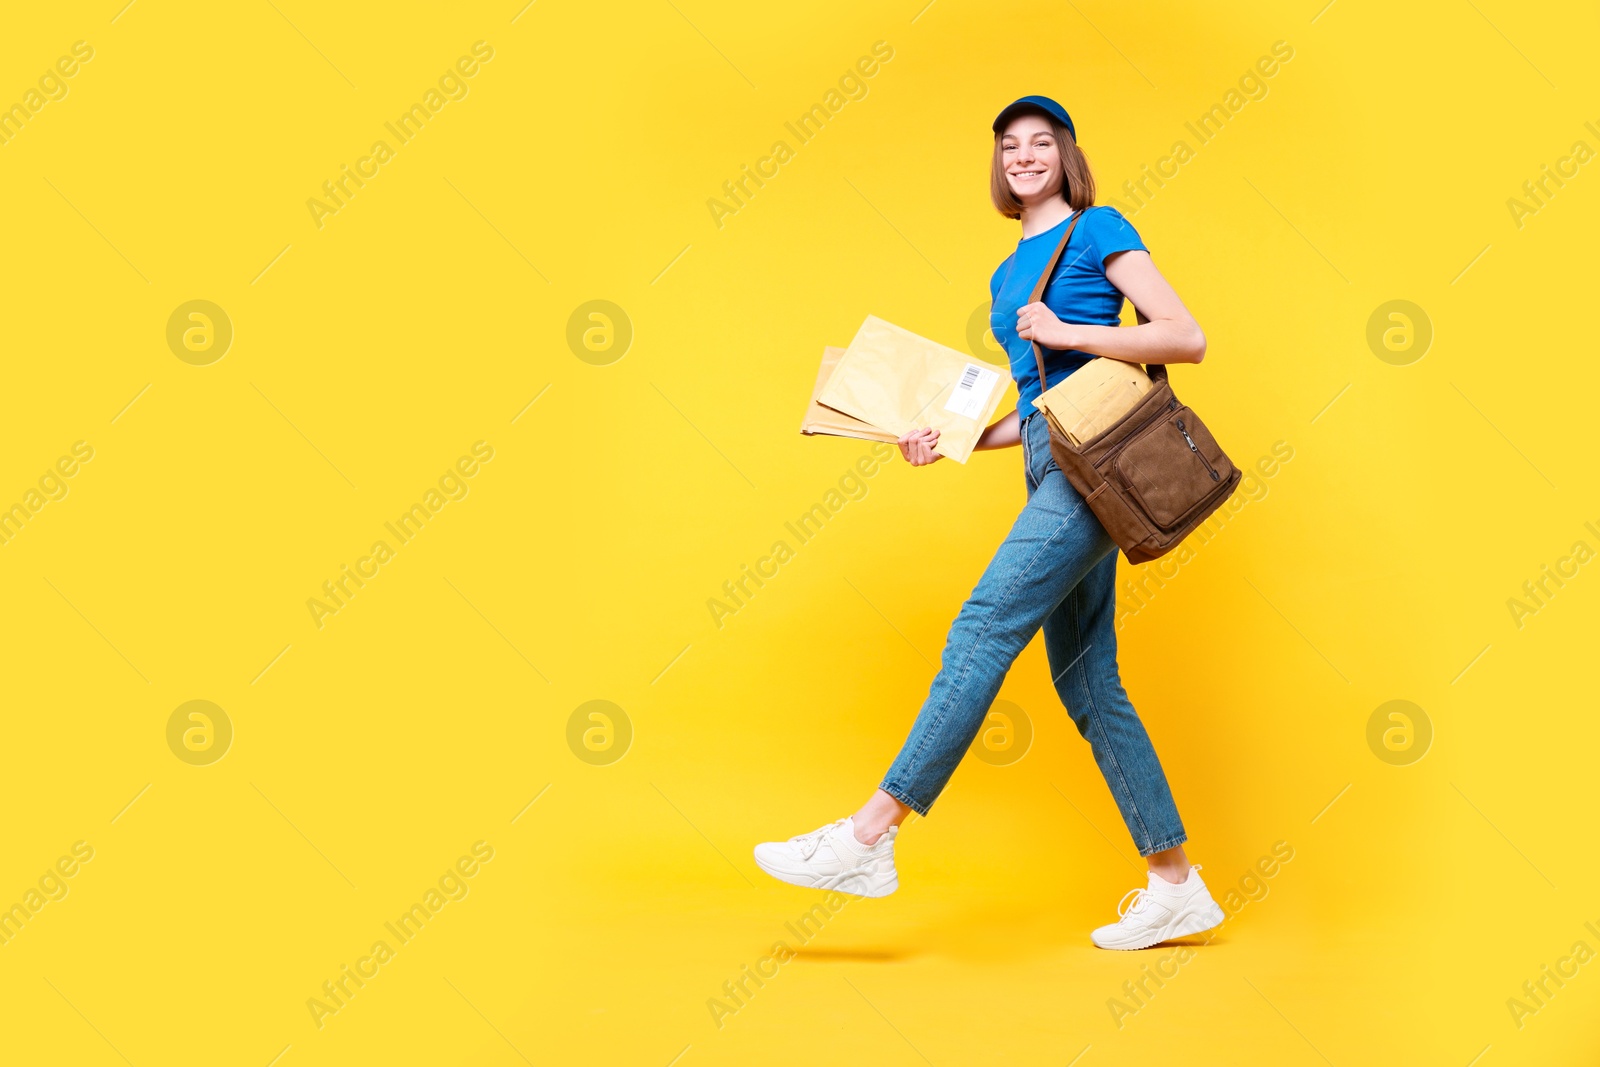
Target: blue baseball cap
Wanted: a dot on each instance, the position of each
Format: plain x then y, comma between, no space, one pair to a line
1036,103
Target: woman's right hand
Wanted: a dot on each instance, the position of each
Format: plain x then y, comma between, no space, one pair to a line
917,446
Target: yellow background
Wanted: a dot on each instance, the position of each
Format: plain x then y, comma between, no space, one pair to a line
425,715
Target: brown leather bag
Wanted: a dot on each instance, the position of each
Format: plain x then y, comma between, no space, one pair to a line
1153,476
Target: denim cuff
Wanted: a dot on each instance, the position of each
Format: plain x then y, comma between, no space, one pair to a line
905,798
1162,846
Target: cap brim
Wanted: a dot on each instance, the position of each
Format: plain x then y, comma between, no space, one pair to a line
1014,110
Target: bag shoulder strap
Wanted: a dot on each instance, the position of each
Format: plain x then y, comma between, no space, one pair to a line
1156,371
1044,280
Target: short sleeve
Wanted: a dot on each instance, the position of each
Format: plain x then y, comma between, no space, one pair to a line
1111,233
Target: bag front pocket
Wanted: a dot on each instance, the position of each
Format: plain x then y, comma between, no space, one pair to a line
1174,468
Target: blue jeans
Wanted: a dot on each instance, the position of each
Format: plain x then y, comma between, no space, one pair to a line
1057,568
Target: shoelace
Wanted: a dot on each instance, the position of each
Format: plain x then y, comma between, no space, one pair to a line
809,843
1138,896
1124,908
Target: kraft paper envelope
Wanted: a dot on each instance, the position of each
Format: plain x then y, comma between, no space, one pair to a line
1093,397
825,420
897,381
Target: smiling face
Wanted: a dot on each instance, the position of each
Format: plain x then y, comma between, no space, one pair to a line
1034,162
1031,159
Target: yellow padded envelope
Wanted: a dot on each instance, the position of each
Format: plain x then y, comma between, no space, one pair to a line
825,420
1092,398
897,381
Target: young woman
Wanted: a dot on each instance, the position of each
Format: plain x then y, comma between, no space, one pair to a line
1057,567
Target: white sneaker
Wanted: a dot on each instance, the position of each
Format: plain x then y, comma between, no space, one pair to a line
1160,913
830,857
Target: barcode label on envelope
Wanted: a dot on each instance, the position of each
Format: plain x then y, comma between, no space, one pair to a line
971,393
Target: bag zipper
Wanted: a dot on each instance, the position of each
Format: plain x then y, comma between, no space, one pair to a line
1172,405
1196,450
1111,457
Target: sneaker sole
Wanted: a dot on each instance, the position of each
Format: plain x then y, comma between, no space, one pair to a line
1196,922
854,884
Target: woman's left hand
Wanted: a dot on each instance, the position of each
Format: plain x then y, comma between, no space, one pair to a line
1036,322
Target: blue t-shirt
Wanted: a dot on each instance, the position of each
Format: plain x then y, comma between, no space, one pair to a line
1079,292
